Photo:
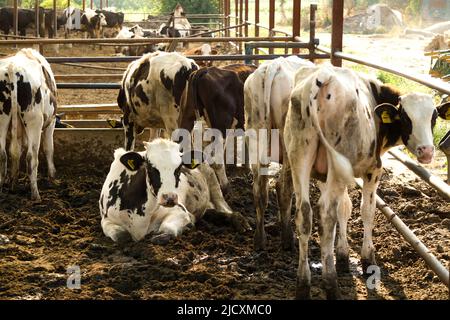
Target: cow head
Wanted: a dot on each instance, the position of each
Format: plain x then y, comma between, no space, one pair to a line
413,121
137,30
103,22
162,162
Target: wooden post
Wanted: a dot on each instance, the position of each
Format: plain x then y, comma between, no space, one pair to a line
256,18
241,18
246,18
312,30
271,20
227,20
68,3
92,4
296,22
36,17
337,30
101,4
16,18
84,5
55,20
236,14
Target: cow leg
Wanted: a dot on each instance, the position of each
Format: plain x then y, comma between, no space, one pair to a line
15,150
368,204
329,201
116,232
260,199
4,124
284,194
47,145
342,248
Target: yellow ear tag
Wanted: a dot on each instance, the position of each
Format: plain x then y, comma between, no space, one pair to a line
113,123
385,117
131,164
194,164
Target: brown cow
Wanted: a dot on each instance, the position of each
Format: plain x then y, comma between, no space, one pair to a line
203,50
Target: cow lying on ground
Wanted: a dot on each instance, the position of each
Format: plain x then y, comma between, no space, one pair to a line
151,92
203,50
266,100
27,109
135,32
157,191
338,125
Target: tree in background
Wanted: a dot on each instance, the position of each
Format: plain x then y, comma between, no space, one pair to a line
191,6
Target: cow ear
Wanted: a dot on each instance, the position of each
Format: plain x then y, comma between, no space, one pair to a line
444,111
192,159
132,161
387,113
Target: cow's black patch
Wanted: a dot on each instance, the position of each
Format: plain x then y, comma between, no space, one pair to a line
38,96
177,176
129,134
307,111
24,93
318,83
369,177
338,140
179,83
48,81
5,98
133,193
406,126
329,96
154,177
141,73
385,94
196,197
141,94
166,81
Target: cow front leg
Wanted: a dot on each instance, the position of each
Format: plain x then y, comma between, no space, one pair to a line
368,205
342,248
4,124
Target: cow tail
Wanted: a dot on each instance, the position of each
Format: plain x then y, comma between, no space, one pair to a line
271,72
12,72
342,166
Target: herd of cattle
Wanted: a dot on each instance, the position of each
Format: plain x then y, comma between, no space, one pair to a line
334,125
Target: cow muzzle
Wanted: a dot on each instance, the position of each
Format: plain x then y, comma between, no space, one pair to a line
425,154
169,200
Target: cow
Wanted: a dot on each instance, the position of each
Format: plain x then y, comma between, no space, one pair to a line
203,50
338,126
93,23
135,32
217,95
178,25
114,20
27,109
266,100
151,91
49,22
159,191
26,19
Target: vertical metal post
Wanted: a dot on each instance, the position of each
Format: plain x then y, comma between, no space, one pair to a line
271,20
55,21
16,18
256,18
312,29
337,30
227,19
36,18
296,16
236,14
246,18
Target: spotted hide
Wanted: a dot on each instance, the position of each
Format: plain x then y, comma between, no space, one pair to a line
27,109
160,192
151,91
338,125
266,99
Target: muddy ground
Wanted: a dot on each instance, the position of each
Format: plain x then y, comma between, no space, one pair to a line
39,241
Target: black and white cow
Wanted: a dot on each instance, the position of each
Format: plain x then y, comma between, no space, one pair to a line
26,19
93,23
338,125
135,32
27,110
266,100
159,191
151,91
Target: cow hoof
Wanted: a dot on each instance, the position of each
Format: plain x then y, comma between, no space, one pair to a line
333,294
303,291
36,198
161,239
366,263
240,223
342,264
122,238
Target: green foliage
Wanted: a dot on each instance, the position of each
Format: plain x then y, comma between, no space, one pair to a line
191,6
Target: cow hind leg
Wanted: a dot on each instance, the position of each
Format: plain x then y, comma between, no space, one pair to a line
4,124
47,145
284,194
260,197
33,128
342,248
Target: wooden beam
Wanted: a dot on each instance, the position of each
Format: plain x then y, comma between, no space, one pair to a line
256,18
337,30
16,18
246,18
296,16
271,20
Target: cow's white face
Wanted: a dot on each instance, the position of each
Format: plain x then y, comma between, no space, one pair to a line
414,122
102,19
137,30
162,162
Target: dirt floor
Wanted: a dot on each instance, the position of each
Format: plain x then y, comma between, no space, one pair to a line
39,241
